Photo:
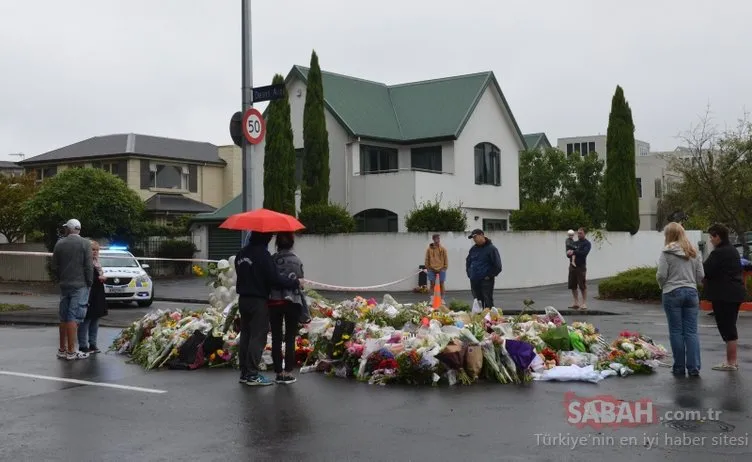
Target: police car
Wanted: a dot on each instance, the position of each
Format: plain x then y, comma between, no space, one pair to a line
127,280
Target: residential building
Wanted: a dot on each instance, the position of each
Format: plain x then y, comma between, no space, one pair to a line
174,177
537,141
653,180
10,168
596,143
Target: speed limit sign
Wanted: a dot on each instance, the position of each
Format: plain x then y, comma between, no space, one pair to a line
254,126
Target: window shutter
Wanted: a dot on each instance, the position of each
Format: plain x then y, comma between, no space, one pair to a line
192,178
497,169
145,174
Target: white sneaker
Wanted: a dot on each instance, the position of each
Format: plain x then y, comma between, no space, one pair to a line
62,354
76,355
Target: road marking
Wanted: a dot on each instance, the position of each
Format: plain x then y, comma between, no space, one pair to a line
709,326
83,382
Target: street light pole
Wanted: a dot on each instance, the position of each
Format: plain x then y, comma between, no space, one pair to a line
247,89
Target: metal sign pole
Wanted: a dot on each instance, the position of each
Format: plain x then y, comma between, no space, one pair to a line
247,104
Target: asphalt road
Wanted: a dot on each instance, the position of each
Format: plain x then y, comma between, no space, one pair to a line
206,415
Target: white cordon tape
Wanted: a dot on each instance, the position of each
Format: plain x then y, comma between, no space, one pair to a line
48,254
306,282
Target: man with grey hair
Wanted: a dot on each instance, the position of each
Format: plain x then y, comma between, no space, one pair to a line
73,266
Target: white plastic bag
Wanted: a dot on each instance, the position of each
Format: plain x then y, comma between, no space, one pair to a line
570,374
477,308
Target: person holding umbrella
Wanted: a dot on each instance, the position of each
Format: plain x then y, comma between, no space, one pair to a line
257,276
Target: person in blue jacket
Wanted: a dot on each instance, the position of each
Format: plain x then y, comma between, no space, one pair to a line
483,264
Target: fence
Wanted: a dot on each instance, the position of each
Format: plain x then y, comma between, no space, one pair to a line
34,268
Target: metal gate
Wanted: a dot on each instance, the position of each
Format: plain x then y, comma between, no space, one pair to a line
223,243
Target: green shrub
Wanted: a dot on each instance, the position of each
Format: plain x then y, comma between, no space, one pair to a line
326,219
536,216
178,249
430,217
459,305
635,283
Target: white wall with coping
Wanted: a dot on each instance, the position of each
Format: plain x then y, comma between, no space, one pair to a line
529,259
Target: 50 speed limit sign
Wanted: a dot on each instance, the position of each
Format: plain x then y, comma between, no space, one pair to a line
254,127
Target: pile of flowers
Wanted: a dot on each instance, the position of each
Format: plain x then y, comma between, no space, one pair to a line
388,342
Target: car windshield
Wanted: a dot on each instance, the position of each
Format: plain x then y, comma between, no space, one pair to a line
109,260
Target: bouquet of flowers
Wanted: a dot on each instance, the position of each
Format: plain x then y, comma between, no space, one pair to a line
629,350
412,369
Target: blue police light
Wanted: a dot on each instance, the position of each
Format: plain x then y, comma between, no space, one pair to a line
118,247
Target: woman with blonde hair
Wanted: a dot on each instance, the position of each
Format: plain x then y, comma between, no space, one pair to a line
679,271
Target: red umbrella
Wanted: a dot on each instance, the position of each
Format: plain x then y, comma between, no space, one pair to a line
263,221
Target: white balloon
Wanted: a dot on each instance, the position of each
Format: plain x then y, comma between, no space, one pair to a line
223,264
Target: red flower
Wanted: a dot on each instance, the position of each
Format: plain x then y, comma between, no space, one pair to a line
387,364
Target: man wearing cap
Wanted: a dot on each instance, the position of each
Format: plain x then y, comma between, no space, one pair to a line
483,264
72,263
437,263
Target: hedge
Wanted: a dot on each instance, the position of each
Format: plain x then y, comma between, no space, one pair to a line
635,283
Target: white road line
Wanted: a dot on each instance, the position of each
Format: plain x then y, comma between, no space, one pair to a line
83,382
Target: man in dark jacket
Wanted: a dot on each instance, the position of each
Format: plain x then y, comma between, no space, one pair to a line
257,275
483,264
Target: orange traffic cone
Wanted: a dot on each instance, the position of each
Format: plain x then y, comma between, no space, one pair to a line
437,293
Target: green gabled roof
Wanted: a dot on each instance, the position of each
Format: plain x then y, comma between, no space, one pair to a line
222,213
411,112
532,140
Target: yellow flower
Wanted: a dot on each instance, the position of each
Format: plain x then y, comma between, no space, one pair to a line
220,352
212,357
345,337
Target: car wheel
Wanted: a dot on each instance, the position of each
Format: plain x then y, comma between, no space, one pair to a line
145,303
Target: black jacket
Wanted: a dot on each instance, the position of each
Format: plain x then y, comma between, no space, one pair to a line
483,261
723,275
256,272
97,301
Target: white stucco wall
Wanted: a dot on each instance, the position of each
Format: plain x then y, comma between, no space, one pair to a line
488,123
529,258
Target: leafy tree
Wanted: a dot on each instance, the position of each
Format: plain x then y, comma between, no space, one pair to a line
541,174
583,187
315,188
326,219
430,216
716,175
279,156
559,191
14,192
103,203
622,206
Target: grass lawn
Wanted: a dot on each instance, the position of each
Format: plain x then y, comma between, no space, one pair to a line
6,307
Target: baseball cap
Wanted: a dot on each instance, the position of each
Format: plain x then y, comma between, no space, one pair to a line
73,224
476,232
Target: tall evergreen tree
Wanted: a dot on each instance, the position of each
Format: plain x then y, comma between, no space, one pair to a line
622,205
279,156
315,189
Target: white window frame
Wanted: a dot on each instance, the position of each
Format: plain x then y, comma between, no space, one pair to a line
184,176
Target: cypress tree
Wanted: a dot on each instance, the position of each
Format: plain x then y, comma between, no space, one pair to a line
315,188
622,203
279,156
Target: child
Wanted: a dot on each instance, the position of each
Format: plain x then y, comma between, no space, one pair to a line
570,245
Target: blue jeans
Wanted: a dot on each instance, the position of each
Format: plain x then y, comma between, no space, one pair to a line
87,333
73,304
432,276
682,306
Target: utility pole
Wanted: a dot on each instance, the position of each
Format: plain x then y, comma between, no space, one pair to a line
247,89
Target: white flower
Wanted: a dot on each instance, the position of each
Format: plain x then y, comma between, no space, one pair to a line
223,265
640,354
626,346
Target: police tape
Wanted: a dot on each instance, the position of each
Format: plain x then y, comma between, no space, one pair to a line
48,254
307,282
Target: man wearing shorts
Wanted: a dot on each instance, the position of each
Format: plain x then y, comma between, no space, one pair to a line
72,263
437,263
578,273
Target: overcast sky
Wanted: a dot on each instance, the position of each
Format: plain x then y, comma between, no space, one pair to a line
80,68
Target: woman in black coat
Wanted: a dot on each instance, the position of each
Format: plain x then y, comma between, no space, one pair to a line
89,328
724,287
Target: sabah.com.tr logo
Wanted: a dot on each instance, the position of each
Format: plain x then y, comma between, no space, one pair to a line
607,411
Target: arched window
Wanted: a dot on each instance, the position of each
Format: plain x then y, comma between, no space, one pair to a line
487,164
376,221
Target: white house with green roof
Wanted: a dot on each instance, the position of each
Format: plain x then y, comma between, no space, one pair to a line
393,147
